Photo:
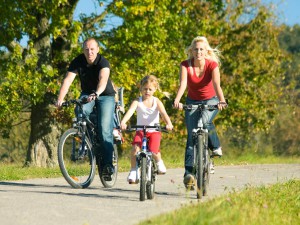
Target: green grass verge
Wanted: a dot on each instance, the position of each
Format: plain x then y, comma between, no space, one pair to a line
276,204
14,171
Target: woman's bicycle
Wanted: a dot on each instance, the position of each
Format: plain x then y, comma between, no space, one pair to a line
145,163
77,146
202,155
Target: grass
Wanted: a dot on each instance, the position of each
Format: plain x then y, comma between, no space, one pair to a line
16,171
276,204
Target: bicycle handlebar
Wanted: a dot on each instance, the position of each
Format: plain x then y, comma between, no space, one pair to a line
200,107
145,127
78,102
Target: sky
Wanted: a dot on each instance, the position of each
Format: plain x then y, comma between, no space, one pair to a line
288,10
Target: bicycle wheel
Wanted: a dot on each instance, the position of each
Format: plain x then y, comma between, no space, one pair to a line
76,165
111,183
200,166
150,186
207,162
143,178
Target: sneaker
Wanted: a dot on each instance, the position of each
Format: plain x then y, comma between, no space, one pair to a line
189,182
212,167
161,167
132,177
108,172
117,135
217,152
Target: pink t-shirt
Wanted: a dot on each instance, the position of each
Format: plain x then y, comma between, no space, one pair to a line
200,88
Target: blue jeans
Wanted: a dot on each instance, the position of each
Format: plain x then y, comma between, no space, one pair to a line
105,107
191,121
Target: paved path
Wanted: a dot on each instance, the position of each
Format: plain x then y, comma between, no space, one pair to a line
53,201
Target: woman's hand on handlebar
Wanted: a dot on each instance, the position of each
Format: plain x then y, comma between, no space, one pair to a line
59,103
222,105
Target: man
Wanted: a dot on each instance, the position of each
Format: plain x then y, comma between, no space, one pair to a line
94,70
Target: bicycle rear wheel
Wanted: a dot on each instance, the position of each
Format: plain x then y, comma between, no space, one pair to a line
111,183
150,186
76,165
143,178
200,166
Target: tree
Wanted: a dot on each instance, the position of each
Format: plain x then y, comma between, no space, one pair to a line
31,75
155,33
150,40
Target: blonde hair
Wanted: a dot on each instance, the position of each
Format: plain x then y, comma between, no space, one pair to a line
212,53
149,79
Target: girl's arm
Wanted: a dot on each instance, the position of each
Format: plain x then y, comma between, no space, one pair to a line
182,87
217,86
128,114
164,115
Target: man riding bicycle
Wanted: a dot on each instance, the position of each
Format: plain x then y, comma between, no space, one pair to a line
94,71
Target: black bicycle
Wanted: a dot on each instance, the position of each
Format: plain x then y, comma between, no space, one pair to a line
202,155
145,163
77,155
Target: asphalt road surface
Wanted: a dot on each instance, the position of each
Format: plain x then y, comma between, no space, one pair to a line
53,201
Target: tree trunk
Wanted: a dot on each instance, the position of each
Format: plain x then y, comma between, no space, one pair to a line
44,136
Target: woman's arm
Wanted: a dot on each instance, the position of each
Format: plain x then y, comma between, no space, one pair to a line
217,86
182,87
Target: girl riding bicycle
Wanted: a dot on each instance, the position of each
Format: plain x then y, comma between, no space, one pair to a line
148,109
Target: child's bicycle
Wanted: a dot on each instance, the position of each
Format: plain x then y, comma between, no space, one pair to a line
77,156
202,155
146,166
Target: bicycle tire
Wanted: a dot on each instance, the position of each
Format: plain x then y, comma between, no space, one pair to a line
143,178
207,162
79,173
105,183
150,186
200,166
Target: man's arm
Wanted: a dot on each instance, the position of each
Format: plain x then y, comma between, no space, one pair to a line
65,88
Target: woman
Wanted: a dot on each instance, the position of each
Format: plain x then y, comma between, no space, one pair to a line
201,76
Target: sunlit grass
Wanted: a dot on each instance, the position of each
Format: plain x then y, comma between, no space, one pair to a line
276,204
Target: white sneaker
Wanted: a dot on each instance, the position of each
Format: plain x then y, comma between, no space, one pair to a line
132,177
117,135
217,152
161,167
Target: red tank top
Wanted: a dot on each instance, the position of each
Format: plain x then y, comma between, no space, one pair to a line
200,88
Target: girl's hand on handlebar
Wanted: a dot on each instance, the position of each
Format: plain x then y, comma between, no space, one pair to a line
177,105
169,127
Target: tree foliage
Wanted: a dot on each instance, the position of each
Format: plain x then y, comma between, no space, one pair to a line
151,40
154,35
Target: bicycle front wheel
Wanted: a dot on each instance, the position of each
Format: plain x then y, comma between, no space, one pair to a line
143,179
150,185
76,160
200,165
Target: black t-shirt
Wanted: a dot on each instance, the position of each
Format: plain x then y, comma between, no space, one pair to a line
89,74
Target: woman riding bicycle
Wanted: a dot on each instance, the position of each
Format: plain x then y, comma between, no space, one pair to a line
201,76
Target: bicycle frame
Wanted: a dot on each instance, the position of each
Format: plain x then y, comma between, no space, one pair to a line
146,163
201,164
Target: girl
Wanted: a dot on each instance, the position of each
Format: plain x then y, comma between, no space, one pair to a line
148,109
